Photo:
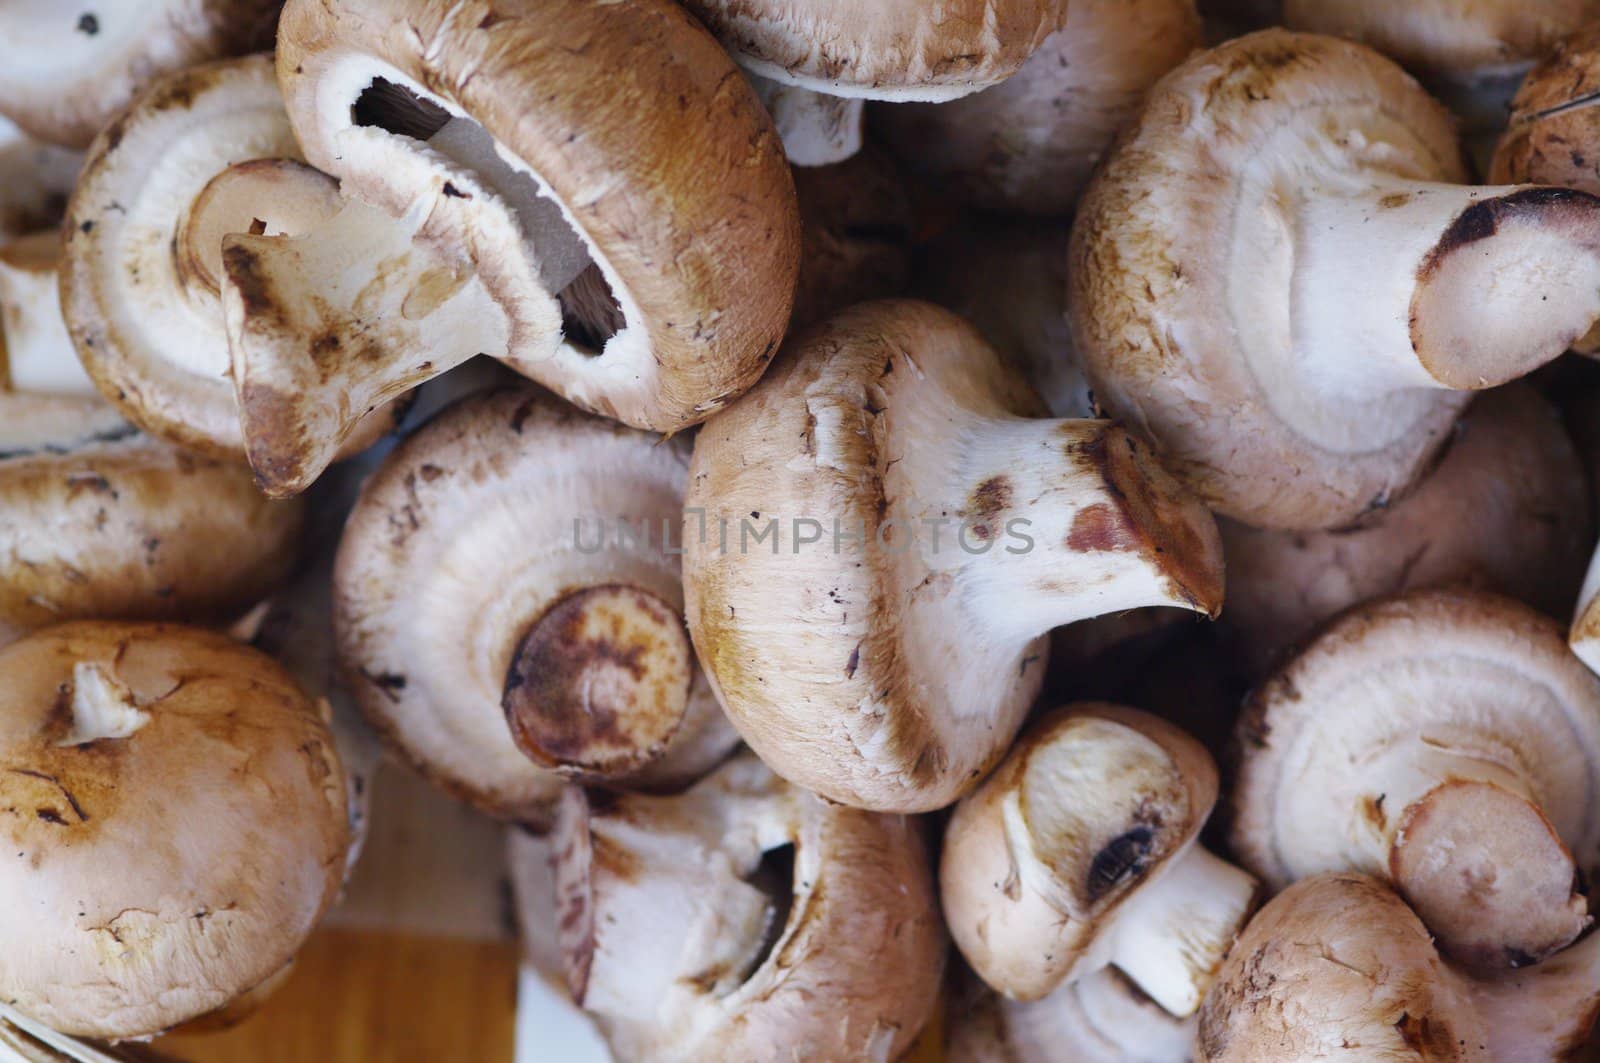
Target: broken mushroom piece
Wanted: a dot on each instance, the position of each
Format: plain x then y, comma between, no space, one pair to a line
1028,144
1099,1018
1506,509
817,63
588,193
871,607
1337,964
508,607
1079,853
1447,741
127,913
747,919
1280,276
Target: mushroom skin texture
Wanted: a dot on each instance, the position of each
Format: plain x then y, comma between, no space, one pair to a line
1337,963
1446,741
858,227
141,276
102,521
508,607
1506,509
35,180
1318,382
1079,853
181,811
66,71
473,134
1554,133
1028,144
891,671
687,939
1100,1018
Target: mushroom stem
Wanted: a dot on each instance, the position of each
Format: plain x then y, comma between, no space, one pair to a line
362,303
1073,519
1172,936
36,354
816,129
1448,820
1445,275
102,707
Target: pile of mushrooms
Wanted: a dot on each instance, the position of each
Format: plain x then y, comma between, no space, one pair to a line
879,404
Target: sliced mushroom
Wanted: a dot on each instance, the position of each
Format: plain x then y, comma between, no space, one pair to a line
509,607
1338,967
35,179
68,69
871,605
747,919
857,226
1028,144
177,812
821,61
1506,509
1080,853
1447,741
1100,1018
588,193
1280,276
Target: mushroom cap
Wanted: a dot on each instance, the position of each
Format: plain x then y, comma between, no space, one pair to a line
1334,962
688,940
1186,346
104,522
886,50
35,180
1027,145
1461,673
66,71
1553,136
148,329
168,865
472,552
1506,509
858,227
693,229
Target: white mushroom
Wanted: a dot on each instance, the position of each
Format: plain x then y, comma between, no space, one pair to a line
1100,1018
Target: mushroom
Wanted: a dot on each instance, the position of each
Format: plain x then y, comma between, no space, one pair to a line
1553,136
1028,144
1447,741
1079,853
35,351
35,179
746,919
1338,967
127,912
198,154
508,607
1472,53
878,537
1507,509
1279,276
820,62
586,192
1099,1018
68,69
857,227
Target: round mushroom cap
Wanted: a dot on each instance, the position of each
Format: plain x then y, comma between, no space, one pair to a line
1028,144
102,521
1506,509
177,816
1480,684
886,50
608,154
515,557
747,919
1553,136
68,69
35,180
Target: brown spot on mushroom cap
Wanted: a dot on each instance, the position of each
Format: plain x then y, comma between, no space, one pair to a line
988,502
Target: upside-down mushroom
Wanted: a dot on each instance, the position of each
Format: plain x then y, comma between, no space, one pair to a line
67,69
1281,277
1080,853
175,818
1338,967
588,192
508,607
816,64
879,536
1446,741
747,919
1028,144
1099,1018
1506,509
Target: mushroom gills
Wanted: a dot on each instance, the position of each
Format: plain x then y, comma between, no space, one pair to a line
36,354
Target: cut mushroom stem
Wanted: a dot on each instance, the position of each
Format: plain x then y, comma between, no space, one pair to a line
102,707
327,326
36,354
816,129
